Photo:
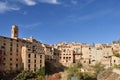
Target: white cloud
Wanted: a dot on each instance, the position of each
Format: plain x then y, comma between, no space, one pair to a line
50,1
13,5
28,2
4,6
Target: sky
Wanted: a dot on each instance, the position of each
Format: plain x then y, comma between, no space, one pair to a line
54,21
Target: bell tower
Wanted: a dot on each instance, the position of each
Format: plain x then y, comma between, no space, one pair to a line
14,32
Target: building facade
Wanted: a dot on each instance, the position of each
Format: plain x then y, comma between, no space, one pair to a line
14,52
29,54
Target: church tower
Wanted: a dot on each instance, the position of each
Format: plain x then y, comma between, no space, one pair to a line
14,32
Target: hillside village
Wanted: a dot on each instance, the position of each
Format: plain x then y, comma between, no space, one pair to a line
29,54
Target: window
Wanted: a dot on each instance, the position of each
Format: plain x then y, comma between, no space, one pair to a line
40,56
29,55
60,57
15,32
4,64
17,50
4,37
35,55
63,57
11,39
16,59
4,58
114,61
29,61
16,65
66,60
84,61
4,44
28,66
10,48
10,53
10,59
34,61
17,40
10,64
4,53
17,44
40,66
10,43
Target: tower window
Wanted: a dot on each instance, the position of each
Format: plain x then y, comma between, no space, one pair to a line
15,32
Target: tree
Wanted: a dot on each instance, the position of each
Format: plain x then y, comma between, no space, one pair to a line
98,67
86,76
41,72
25,75
117,54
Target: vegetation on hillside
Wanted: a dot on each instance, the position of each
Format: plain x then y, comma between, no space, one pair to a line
8,75
98,67
75,71
116,54
52,67
25,75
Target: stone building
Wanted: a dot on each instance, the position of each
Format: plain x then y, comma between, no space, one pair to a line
66,54
14,53
29,54
72,53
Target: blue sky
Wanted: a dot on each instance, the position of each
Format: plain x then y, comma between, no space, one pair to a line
54,21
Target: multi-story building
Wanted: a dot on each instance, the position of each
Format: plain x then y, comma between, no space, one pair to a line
29,54
20,54
72,53
101,53
66,54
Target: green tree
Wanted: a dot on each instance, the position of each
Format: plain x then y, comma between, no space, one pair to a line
117,54
25,75
86,76
98,67
41,72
